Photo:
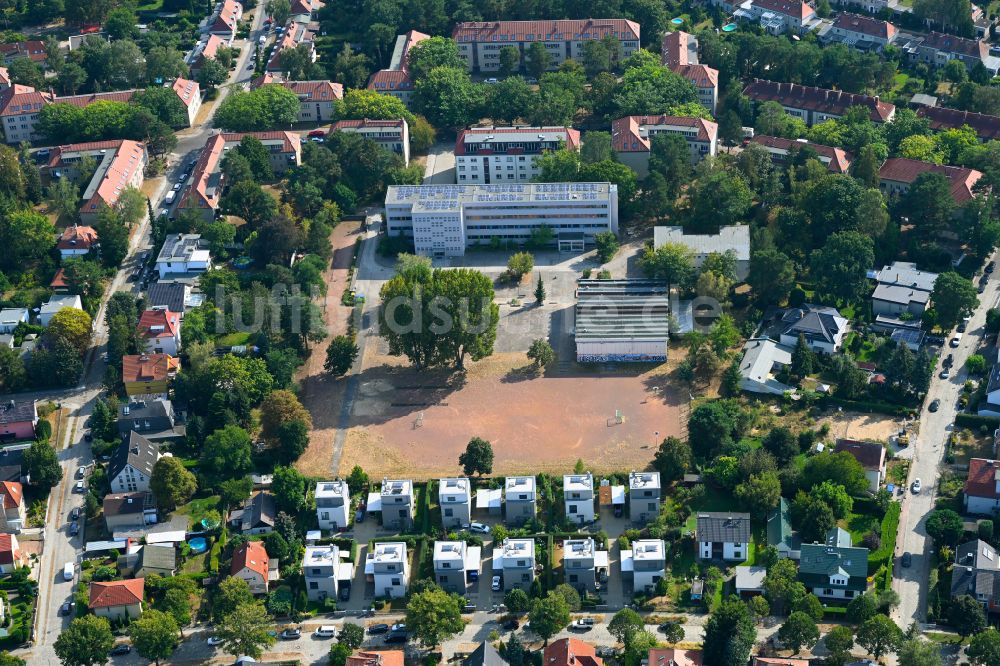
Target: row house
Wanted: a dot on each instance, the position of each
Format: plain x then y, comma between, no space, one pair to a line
333,505
897,174
305,10
679,52
507,154
206,50
987,128
816,105
316,98
861,32
121,164
514,562
32,49
393,135
189,93
837,160
869,6
225,22
937,48
480,42
631,138
294,35
395,79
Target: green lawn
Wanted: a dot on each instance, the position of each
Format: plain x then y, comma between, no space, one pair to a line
233,339
149,6
859,524
710,501
196,509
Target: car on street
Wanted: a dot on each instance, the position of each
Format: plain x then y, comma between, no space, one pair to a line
907,560
398,627
397,638
177,186
326,631
491,80
479,527
69,570
933,407
214,640
379,628
961,327
79,487
583,624
75,513
945,374
81,472
121,648
949,361
495,584
67,608
955,340
290,634
316,133
915,487
982,288
74,529
989,267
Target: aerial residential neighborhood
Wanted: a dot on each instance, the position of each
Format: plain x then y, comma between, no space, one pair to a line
383,334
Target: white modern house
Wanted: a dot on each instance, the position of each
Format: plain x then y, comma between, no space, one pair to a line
647,561
11,317
733,239
520,501
583,564
183,253
396,504
514,561
763,359
55,304
453,562
389,568
643,496
324,569
333,504
578,495
455,499
723,536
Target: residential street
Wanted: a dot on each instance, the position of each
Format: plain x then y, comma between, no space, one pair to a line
927,454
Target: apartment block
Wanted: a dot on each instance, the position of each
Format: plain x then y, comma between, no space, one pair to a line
395,80
295,34
861,32
479,43
520,499
333,505
643,496
120,165
443,220
679,52
631,138
316,98
578,495
392,135
389,567
455,500
397,504
514,561
507,154
816,105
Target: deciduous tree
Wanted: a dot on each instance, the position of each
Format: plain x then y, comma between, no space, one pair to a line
433,616
171,482
477,457
85,642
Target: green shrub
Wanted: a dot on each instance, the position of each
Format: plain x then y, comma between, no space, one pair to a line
977,421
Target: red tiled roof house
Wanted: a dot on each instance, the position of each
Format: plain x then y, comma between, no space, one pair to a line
631,138
250,562
117,599
160,329
11,555
982,487
13,517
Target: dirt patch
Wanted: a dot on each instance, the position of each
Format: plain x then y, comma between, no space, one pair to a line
417,423
322,394
874,427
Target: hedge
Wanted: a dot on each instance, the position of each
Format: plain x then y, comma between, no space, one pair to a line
975,420
872,406
890,524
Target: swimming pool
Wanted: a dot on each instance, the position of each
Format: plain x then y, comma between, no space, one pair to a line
729,27
198,545
677,21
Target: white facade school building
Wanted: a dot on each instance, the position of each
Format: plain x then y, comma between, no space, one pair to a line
443,220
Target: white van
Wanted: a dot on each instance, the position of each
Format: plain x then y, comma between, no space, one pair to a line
169,199
326,631
69,571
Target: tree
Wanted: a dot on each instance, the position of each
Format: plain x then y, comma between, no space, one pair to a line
84,277
212,74
231,593
172,484
839,468
268,107
673,632
834,496
42,464
929,203
340,355
257,156
625,624
177,602
85,642
447,97
277,409
760,493
803,359
432,53
289,489
352,635
781,444
537,60
984,648
246,630
811,606
719,198
798,631
517,600
520,264
975,364
549,615
966,615
772,120
715,425
862,608
539,291
781,585
771,275
510,59
841,266
433,616
248,201
477,458
339,654
673,458
672,262
759,607
464,317
607,245
541,353
27,236
154,635
945,527
7,659
226,454
879,635
729,634
73,326
919,652
954,297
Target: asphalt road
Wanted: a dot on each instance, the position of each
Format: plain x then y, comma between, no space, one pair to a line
928,452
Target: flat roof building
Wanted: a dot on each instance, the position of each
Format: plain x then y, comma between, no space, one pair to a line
622,321
507,154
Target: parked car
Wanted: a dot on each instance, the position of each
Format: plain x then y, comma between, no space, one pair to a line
81,472
379,628
511,624
955,340
74,529
326,631
79,487
584,624
961,327
344,592
491,80
933,407
989,267
177,186
121,648
397,638
75,513
316,132
619,510
398,627
907,560
290,634
945,374
949,361
67,608
495,585
915,487
479,527
359,515
214,640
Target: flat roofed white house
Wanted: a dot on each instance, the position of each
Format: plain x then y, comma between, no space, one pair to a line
520,500
515,561
324,569
333,504
389,568
183,253
583,564
444,220
647,562
644,496
578,494
397,504
455,499
734,239
453,560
